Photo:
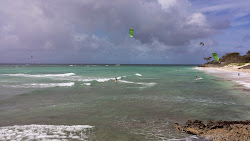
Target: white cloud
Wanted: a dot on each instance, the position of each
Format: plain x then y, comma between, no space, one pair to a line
198,19
167,3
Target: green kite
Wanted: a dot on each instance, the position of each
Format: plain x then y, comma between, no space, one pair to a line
131,32
216,57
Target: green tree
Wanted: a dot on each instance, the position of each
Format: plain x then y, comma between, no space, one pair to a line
231,57
207,59
248,53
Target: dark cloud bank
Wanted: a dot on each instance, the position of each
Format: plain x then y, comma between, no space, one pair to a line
96,31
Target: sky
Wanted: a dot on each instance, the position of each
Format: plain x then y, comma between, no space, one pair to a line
97,31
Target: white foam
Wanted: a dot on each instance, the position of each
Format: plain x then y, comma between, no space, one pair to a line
97,79
45,132
128,82
190,138
200,78
137,74
103,79
42,85
244,83
41,75
145,85
87,84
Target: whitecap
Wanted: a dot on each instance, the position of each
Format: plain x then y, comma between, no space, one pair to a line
137,74
46,132
87,84
145,85
200,78
128,82
103,79
42,85
151,84
97,79
41,75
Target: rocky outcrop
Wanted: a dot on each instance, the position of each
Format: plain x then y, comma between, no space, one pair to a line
245,67
218,131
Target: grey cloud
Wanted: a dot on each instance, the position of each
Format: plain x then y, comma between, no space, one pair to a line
246,38
100,27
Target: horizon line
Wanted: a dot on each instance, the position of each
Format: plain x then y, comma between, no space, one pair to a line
85,64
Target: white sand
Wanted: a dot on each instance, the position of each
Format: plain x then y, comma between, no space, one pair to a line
229,73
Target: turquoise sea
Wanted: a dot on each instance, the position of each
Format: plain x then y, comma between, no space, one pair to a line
143,105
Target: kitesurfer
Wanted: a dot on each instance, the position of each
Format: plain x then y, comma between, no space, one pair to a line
201,43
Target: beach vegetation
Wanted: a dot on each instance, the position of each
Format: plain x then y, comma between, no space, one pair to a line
207,59
231,58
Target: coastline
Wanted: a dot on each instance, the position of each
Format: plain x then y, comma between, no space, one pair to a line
229,73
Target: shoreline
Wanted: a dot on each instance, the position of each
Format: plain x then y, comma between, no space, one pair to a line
229,73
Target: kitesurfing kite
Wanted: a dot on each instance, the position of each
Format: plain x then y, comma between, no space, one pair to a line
216,57
201,43
131,32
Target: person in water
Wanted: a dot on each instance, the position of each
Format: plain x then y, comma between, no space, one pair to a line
238,74
116,79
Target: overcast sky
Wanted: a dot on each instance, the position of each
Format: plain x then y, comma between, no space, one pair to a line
97,31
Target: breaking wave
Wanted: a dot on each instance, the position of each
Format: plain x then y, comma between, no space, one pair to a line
41,75
42,85
97,79
190,138
46,132
244,83
145,85
87,84
137,74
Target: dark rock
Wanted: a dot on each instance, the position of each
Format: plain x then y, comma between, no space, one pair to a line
217,131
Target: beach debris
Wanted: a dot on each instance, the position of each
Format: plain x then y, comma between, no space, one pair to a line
131,32
202,44
216,56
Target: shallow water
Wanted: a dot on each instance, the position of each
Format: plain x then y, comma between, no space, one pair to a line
143,105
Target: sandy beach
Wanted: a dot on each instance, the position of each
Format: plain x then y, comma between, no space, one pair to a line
229,73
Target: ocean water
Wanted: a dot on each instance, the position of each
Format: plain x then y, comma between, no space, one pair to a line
83,102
